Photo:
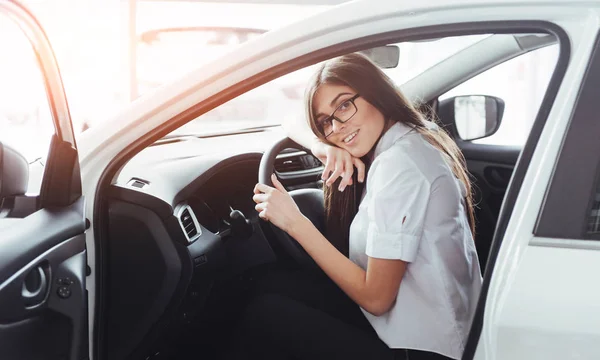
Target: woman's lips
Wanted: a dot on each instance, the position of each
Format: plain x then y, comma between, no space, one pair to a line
351,138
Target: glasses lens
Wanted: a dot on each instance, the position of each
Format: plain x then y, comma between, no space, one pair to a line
327,126
345,111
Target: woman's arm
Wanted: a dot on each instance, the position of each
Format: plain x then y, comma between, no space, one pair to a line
374,290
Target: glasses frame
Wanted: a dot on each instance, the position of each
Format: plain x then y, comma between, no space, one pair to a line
331,117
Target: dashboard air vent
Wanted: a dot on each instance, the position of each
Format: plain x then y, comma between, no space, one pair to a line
295,161
189,223
289,164
137,183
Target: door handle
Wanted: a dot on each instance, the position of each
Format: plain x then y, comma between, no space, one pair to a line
35,286
498,177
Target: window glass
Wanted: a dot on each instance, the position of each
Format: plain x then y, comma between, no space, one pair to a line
416,57
25,117
521,82
594,218
274,102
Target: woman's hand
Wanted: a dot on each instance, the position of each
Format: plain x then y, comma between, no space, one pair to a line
338,163
277,206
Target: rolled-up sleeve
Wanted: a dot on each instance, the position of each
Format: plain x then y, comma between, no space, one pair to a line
396,211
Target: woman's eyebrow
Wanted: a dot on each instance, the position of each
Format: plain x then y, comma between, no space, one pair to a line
335,99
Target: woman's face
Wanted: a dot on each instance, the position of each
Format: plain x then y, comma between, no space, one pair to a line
357,135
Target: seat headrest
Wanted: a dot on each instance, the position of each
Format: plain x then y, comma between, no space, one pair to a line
14,172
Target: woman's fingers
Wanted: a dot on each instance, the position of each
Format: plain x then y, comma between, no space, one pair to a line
341,164
347,175
339,170
278,185
329,166
360,168
262,188
259,198
263,215
260,207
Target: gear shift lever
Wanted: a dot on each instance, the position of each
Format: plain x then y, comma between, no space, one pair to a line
240,226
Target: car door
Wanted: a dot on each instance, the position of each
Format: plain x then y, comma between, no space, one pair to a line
538,297
43,312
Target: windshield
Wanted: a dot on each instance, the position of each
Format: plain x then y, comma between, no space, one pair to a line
274,102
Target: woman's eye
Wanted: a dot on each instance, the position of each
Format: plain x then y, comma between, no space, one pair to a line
344,106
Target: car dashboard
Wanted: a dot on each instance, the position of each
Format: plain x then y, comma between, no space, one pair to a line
180,218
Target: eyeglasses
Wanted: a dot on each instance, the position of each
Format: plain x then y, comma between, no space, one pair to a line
344,112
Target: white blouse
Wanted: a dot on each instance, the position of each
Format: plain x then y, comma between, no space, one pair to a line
413,210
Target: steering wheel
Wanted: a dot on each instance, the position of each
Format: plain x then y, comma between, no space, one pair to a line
309,201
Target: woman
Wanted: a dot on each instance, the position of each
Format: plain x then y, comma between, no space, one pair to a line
399,244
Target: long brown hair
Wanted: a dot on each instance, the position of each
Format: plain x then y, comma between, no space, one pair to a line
359,73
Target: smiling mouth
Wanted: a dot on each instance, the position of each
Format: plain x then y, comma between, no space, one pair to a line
350,137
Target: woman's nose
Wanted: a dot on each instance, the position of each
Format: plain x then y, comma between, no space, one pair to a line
338,126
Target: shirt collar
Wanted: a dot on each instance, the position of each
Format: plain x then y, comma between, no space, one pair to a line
394,133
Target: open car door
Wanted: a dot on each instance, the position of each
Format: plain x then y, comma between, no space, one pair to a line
43,311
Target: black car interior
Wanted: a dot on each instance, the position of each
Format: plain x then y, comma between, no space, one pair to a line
42,273
182,227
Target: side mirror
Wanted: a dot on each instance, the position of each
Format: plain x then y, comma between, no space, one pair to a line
14,173
472,117
386,57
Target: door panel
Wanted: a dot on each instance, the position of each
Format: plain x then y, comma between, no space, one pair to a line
42,221
42,286
43,304
497,154
491,167
58,224
490,178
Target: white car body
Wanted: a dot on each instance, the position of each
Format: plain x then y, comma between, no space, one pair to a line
541,302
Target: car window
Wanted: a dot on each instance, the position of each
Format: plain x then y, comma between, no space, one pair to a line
418,56
570,209
267,105
25,117
274,102
521,82
594,216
